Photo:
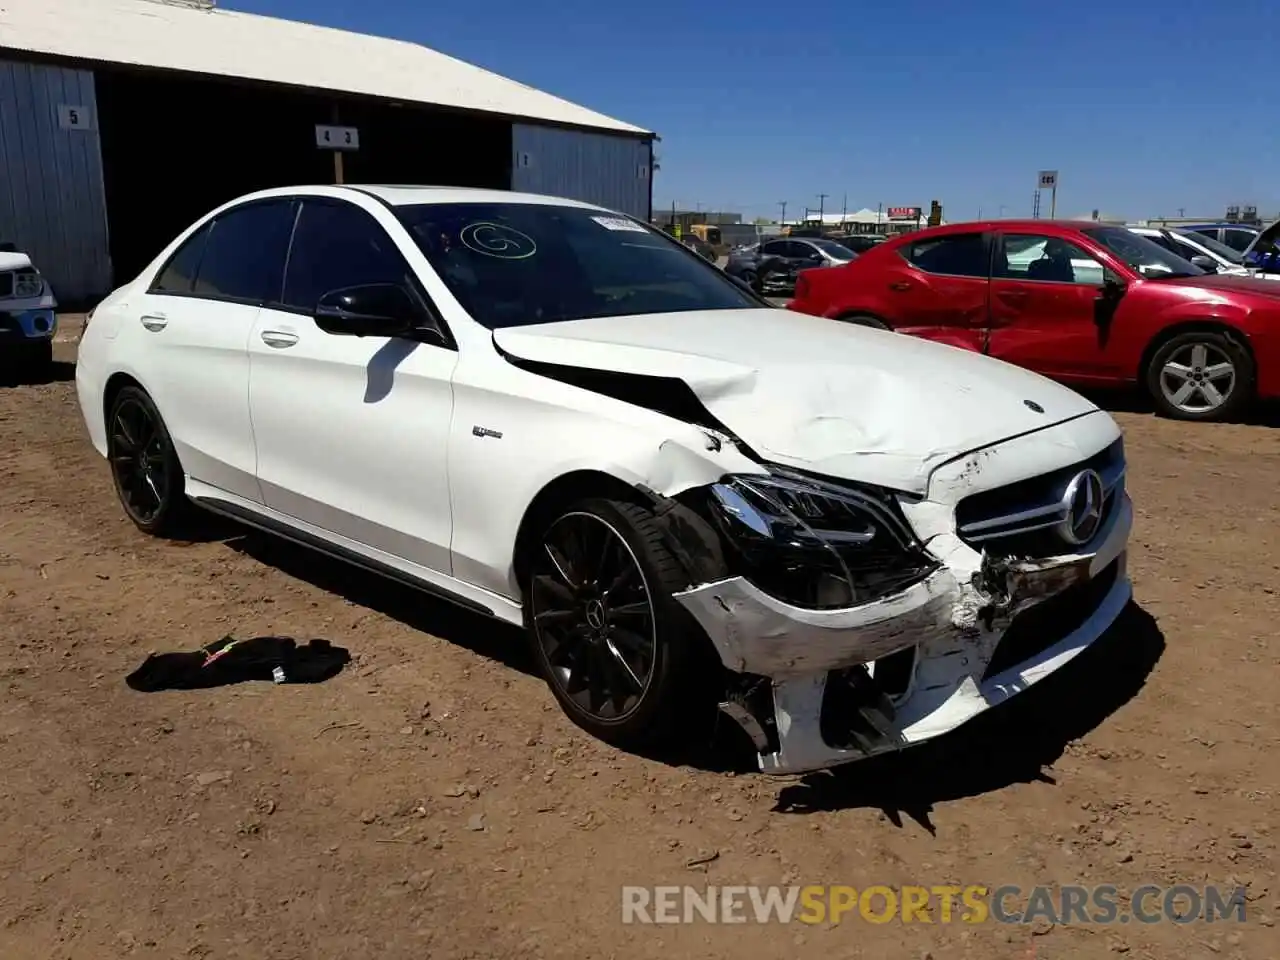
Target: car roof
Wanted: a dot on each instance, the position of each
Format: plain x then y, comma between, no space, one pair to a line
1008,226
1217,223
397,195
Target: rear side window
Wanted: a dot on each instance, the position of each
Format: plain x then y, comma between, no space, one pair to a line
958,255
244,255
1238,239
338,245
179,274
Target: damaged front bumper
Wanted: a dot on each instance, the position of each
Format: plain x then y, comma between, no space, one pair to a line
844,684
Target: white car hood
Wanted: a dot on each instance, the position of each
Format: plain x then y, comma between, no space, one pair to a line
811,393
14,261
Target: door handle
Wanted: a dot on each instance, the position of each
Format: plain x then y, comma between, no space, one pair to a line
1013,294
155,322
279,338
900,285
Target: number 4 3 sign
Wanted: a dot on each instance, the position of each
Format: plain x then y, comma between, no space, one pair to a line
337,138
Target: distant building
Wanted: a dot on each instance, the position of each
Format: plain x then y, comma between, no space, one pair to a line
123,121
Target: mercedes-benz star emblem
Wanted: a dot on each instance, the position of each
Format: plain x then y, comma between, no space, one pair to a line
1083,500
595,614
1032,405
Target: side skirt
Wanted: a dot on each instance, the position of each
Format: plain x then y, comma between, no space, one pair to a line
460,594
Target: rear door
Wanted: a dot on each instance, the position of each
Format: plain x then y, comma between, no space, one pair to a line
196,318
1044,298
937,288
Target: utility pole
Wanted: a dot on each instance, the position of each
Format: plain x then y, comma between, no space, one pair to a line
822,199
783,205
844,210
1182,212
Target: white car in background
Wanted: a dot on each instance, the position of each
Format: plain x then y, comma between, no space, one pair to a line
1203,251
28,313
552,414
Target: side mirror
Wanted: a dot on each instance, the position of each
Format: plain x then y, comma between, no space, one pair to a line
372,310
1113,288
1205,263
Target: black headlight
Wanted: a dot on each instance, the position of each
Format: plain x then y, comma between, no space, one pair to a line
817,544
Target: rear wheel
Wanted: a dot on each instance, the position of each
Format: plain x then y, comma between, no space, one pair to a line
864,320
144,465
42,357
1201,375
616,649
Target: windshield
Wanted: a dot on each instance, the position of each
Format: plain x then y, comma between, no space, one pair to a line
1230,254
512,264
1145,256
831,248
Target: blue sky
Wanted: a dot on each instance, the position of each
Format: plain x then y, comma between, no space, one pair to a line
1143,108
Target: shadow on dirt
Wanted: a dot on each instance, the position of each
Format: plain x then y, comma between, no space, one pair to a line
709,742
56,372
486,636
1264,413
1013,743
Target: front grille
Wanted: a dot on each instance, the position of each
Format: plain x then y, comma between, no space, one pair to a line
6,284
1020,519
1037,629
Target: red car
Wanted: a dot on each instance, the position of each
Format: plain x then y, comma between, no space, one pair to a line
1084,303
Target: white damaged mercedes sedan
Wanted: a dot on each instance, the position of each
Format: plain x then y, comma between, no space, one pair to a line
847,540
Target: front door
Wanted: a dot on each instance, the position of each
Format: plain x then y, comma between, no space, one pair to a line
351,431
1045,298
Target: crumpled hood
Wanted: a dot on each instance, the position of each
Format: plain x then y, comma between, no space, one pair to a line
14,261
815,394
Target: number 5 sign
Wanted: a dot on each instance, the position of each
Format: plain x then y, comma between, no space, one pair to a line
74,117
337,138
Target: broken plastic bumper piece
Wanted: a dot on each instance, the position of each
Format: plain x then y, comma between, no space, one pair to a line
854,681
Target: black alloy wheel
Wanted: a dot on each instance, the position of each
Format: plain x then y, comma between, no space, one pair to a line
613,645
144,465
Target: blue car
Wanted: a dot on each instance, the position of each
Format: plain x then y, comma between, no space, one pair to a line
28,313
1262,256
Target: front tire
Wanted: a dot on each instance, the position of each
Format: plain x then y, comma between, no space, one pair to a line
1206,375
863,320
144,465
617,651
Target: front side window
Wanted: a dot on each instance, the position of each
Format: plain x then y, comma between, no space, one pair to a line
514,264
338,245
244,255
1044,258
1213,246
957,255
1144,257
179,274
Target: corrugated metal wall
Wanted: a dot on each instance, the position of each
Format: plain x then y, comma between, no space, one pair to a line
51,195
611,171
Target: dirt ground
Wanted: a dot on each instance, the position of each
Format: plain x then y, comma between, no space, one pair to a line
432,801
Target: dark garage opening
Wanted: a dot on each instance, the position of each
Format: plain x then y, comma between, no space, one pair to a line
176,146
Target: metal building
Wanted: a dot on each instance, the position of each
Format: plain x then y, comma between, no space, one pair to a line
121,121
